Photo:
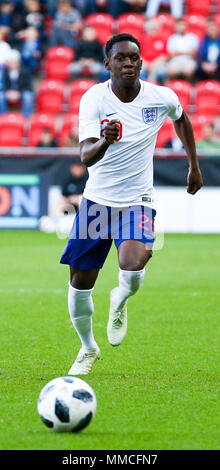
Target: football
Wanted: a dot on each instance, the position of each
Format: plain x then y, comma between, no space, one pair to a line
67,404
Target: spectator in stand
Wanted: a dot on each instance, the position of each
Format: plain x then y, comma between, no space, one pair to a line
66,25
176,8
5,48
6,12
31,49
138,6
47,139
88,56
81,6
73,188
4,53
73,139
182,48
34,17
115,7
209,54
154,53
97,6
12,20
50,6
17,85
210,141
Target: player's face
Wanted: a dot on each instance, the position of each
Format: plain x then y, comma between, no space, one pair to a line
124,62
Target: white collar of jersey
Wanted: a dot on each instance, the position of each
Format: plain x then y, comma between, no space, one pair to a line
109,85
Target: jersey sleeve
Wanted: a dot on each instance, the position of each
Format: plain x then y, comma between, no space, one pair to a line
89,120
174,107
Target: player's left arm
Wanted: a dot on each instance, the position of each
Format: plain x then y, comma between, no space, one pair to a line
184,130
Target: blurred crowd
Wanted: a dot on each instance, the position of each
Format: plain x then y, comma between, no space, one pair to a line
174,47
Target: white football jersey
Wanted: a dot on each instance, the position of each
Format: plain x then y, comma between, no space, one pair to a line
124,176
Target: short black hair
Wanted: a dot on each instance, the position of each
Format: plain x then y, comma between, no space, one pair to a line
118,38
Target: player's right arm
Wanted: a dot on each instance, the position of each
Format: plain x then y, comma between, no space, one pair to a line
93,149
93,141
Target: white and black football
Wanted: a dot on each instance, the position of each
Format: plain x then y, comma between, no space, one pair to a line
67,404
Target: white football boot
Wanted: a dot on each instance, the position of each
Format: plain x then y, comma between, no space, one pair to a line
117,323
84,361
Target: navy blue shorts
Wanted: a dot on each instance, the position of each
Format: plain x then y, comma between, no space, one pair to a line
96,226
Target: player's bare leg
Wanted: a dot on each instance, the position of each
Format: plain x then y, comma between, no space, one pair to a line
81,308
83,279
133,256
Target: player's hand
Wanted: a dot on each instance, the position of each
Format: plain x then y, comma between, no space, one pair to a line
194,180
111,132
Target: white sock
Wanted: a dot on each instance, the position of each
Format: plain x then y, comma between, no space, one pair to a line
81,308
129,283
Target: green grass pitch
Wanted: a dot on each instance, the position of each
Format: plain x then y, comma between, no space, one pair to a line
158,390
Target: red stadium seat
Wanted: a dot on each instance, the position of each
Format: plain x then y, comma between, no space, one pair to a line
201,7
103,24
197,24
57,60
167,23
184,91
38,122
198,122
11,129
207,99
166,133
77,89
69,121
132,23
50,96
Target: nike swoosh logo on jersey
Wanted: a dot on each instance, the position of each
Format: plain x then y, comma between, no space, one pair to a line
111,114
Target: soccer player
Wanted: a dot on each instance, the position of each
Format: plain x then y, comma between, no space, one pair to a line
119,122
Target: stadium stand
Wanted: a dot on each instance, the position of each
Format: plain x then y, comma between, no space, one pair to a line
197,24
77,89
207,99
50,96
57,95
167,23
132,23
184,90
57,60
202,7
12,127
103,24
198,122
166,133
38,122
175,7
69,121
